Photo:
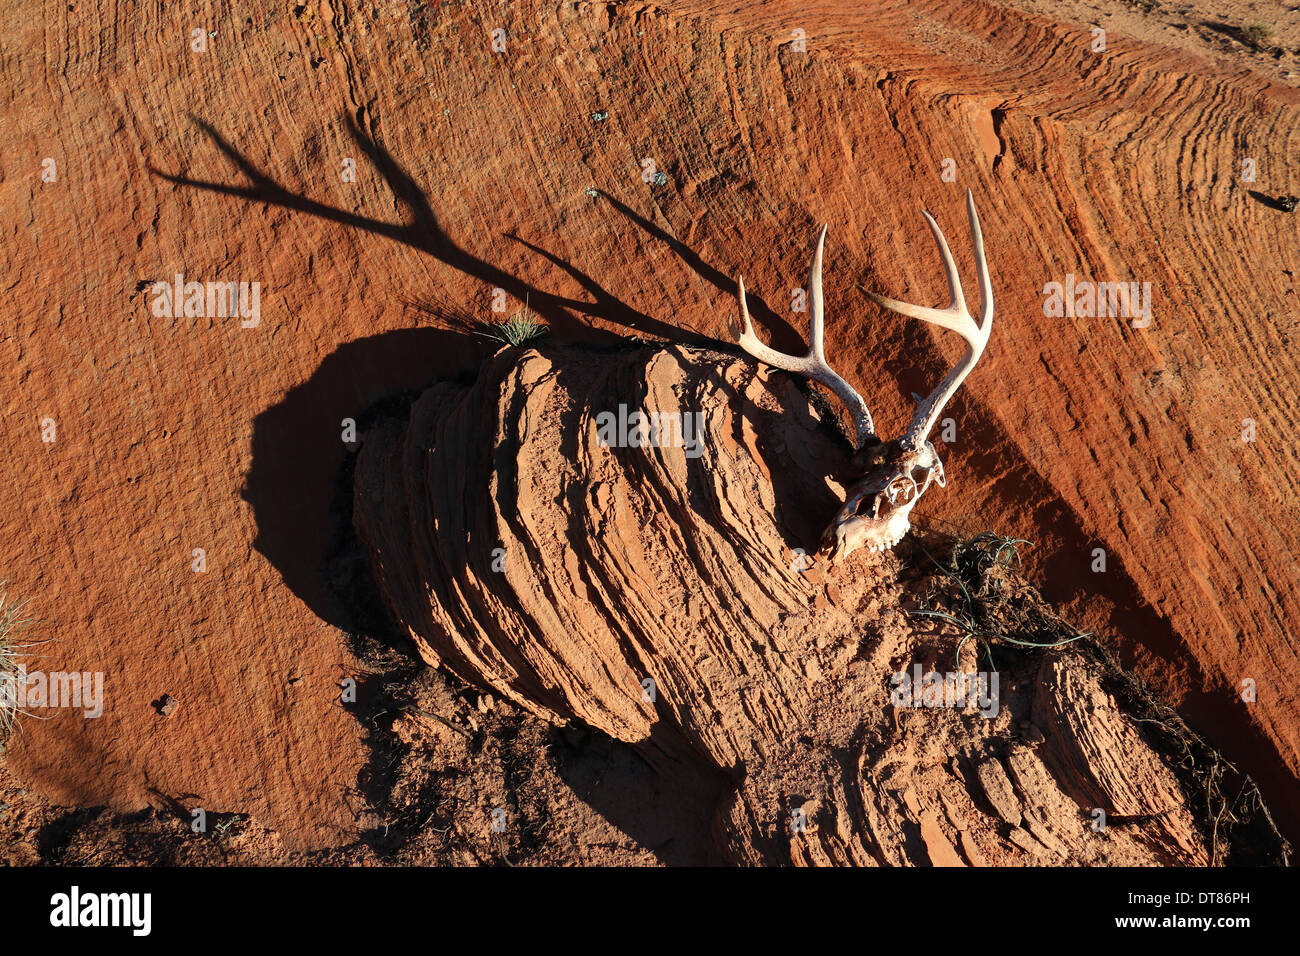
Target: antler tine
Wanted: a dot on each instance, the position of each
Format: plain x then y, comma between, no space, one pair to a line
954,317
814,364
981,267
816,305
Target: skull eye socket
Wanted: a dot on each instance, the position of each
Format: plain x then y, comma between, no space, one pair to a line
901,490
867,506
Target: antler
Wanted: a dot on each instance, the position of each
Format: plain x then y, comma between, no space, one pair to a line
814,364
954,317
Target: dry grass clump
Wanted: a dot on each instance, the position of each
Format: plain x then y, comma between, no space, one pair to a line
981,589
15,621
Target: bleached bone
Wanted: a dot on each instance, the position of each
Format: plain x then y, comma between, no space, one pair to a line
813,365
877,510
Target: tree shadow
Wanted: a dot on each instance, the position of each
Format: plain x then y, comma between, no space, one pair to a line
298,448
304,447
299,482
423,232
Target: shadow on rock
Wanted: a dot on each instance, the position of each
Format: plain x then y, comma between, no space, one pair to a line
299,485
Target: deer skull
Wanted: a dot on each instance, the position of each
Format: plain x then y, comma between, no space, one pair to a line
876,513
877,509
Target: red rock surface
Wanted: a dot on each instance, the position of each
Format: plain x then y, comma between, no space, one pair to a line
665,592
473,172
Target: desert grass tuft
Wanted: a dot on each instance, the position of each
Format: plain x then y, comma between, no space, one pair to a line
15,622
518,329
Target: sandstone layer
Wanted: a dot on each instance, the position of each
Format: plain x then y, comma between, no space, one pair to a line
655,579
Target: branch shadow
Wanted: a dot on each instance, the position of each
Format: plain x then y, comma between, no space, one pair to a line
297,446
785,336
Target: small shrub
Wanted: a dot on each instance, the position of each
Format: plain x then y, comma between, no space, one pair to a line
980,589
1256,33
